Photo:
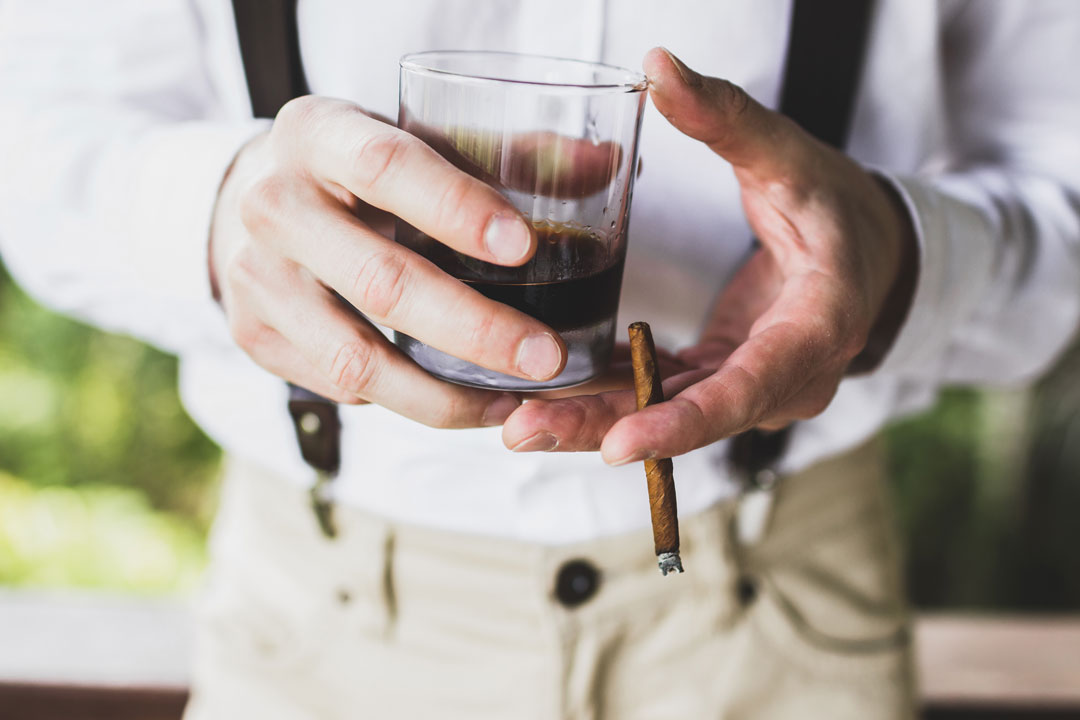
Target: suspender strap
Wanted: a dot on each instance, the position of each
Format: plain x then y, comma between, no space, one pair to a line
824,64
826,47
270,49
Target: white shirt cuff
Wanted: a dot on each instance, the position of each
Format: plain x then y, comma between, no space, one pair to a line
956,260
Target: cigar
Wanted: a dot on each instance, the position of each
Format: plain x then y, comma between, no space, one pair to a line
658,473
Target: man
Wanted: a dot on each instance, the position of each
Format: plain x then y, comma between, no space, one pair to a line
470,581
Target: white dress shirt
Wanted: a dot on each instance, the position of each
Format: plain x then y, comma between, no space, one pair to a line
119,119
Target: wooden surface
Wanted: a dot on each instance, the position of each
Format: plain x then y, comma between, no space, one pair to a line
999,660
93,640
83,657
21,701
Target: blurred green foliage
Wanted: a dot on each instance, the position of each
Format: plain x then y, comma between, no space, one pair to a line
93,422
105,482
988,490
96,536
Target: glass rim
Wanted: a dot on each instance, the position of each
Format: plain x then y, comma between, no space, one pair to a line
414,63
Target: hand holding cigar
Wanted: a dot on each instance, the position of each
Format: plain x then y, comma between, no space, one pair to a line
658,473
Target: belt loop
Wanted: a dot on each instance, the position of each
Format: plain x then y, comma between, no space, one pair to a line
363,558
389,592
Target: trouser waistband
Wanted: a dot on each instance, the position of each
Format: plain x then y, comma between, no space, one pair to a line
378,562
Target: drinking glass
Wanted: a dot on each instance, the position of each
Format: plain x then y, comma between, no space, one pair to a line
559,139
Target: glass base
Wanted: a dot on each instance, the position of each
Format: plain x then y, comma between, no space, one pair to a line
588,353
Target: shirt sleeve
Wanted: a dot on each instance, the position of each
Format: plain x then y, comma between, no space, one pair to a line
114,143
998,293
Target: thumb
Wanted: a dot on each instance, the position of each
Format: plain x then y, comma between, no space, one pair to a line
721,115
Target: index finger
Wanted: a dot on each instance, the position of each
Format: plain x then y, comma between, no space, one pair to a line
395,171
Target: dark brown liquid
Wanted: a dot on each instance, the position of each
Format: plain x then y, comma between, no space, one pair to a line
561,304
572,281
585,292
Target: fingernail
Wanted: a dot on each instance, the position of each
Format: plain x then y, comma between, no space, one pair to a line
540,442
539,356
507,237
499,409
689,77
637,456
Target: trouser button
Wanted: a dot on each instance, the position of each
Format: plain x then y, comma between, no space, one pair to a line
746,589
576,582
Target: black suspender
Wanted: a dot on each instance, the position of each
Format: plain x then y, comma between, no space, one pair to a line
825,54
824,62
270,49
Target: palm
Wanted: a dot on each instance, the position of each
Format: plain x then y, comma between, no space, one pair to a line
755,287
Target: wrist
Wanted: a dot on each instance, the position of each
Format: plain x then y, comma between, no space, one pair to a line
897,302
224,219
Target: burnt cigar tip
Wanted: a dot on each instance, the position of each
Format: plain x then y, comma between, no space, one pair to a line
670,562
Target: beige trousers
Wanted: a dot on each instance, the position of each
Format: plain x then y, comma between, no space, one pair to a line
391,621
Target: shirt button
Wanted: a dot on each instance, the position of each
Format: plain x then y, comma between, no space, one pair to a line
576,582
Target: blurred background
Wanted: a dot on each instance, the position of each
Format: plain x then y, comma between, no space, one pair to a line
105,483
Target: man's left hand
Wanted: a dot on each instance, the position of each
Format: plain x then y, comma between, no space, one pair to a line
786,329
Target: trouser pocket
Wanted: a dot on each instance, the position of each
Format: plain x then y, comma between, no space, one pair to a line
828,624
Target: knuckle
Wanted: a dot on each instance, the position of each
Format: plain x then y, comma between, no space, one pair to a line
354,367
789,191
730,99
341,396
814,407
242,270
454,202
377,156
831,327
299,114
828,328
846,329
379,282
745,396
247,335
576,416
854,345
261,203
483,331
448,413
819,404
733,97
760,398
774,424
816,402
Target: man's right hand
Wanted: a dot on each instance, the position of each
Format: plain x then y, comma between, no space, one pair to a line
289,232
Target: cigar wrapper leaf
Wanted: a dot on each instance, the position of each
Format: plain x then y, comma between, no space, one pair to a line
658,473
